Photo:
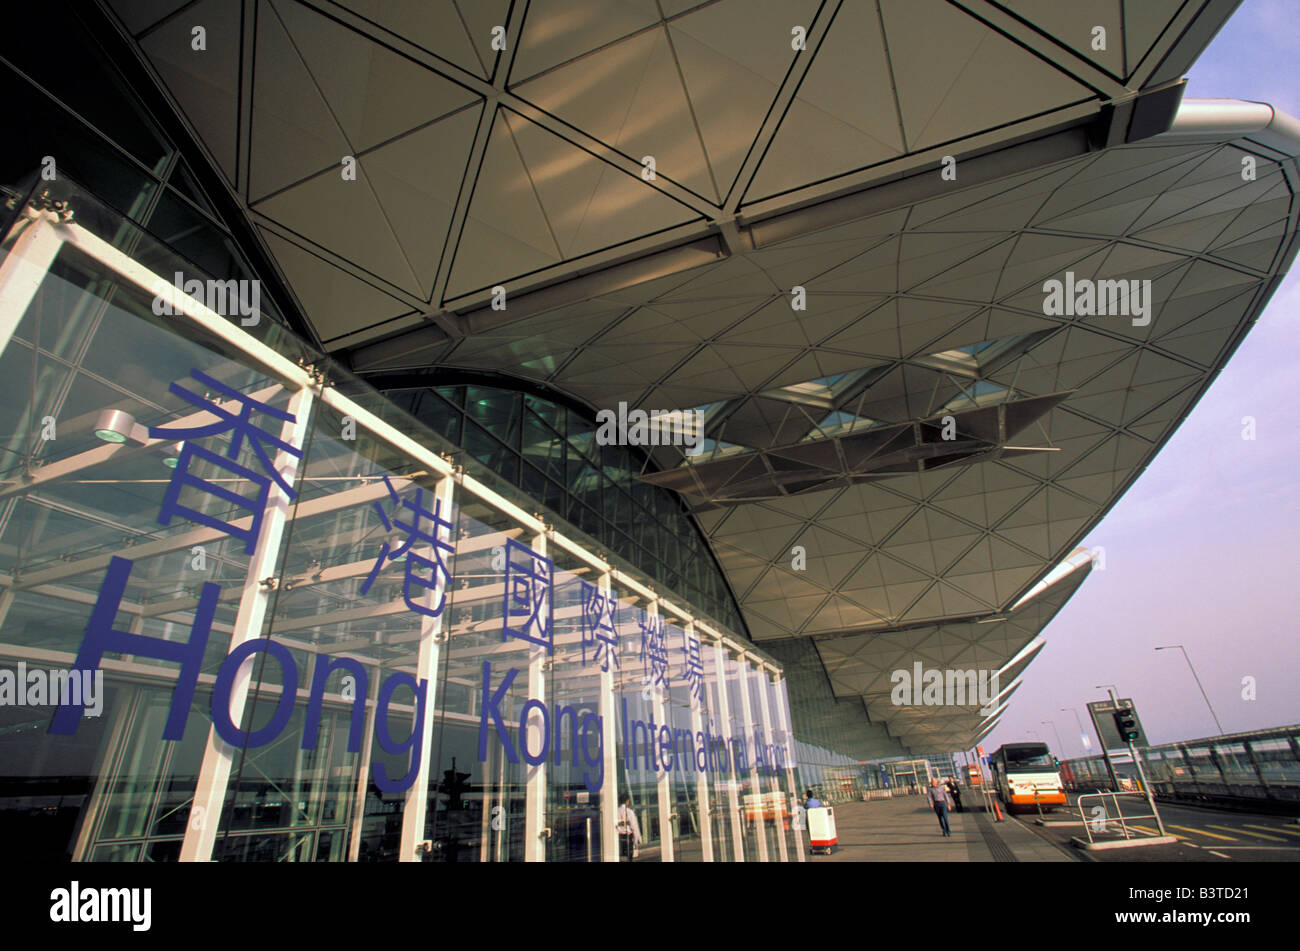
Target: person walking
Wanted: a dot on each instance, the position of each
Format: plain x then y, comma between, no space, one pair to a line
954,791
939,801
629,830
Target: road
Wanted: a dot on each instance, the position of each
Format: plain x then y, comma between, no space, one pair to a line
1204,834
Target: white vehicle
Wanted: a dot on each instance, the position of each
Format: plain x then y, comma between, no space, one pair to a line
1026,775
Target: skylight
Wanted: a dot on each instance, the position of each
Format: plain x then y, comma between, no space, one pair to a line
977,393
820,393
838,423
972,358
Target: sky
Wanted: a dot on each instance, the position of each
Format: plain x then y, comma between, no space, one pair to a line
1201,551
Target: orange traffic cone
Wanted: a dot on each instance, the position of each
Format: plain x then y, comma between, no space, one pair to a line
997,811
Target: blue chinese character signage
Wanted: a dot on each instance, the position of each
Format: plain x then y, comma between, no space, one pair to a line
654,649
694,665
241,429
598,630
422,572
530,586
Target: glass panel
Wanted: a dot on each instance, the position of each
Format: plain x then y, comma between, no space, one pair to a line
144,507
724,792
1276,759
543,447
93,89
477,810
681,713
497,411
149,530
575,772
638,755
770,802
79,153
1234,763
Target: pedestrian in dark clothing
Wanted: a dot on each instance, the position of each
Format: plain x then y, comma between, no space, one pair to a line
955,792
940,801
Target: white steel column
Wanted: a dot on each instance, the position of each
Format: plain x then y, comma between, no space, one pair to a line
746,733
535,831
609,752
701,776
255,597
733,797
783,719
764,685
363,783
431,637
664,778
24,267
6,602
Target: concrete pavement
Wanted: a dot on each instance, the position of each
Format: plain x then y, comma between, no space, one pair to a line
905,829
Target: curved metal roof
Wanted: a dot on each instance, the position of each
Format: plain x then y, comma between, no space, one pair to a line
525,169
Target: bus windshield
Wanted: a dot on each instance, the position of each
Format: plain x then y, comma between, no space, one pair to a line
1029,758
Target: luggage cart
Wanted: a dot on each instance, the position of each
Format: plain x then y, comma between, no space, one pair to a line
821,829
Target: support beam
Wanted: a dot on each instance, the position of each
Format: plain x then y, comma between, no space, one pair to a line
747,733
764,687
24,268
218,757
536,835
609,752
782,716
701,775
733,779
430,653
663,777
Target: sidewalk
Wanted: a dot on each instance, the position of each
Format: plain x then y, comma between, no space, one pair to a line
905,829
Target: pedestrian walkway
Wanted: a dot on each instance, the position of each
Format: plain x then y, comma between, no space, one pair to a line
905,829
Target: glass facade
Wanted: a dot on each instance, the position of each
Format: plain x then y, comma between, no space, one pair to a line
247,617
550,452
217,640
87,125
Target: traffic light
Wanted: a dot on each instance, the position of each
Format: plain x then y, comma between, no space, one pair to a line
1126,724
455,785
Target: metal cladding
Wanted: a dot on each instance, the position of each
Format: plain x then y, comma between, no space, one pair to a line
799,219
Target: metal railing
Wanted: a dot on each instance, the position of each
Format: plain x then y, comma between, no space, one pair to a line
1090,825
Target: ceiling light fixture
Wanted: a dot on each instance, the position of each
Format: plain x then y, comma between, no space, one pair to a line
117,426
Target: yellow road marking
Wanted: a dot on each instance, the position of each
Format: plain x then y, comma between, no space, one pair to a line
1213,835
1149,831
1258,835
1273,829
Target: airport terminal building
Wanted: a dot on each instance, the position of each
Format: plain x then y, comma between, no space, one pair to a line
428,426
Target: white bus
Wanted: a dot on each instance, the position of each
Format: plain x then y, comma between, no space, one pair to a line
1025,774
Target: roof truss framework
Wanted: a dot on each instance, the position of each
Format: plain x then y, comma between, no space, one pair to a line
523,170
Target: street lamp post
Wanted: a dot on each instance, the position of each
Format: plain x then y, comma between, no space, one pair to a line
1198,681
1060,746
